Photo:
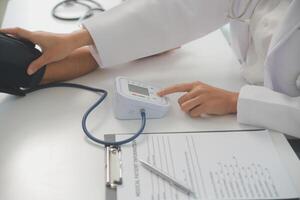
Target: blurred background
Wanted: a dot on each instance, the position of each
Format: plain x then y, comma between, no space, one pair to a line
3,4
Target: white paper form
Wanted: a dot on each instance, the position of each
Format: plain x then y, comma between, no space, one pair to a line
220,165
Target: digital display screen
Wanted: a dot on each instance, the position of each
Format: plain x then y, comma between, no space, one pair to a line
138,89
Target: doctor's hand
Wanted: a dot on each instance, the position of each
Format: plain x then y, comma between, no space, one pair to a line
54,46
201,99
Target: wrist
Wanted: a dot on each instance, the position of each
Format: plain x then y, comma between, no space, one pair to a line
80,38
233,102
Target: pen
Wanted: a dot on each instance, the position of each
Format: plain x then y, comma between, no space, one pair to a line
167,178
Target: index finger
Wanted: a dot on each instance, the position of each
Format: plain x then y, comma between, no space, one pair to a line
184,87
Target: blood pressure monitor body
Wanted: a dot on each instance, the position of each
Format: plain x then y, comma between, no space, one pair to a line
131,97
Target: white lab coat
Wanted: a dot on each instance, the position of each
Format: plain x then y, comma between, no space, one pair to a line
140,28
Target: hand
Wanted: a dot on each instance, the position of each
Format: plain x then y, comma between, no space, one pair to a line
202,99
55,47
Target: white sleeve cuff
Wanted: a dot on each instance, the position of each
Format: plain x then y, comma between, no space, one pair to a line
96,55
262,107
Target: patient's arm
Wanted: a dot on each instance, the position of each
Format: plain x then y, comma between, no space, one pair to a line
78,63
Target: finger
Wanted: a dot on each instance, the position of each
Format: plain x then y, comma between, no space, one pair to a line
184,87
198,111
190,95
192,103
37,64
19,32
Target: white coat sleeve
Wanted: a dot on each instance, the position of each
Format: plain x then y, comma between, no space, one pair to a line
263,107
140,28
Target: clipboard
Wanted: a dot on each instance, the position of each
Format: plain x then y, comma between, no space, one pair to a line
113,163
114,158
113,167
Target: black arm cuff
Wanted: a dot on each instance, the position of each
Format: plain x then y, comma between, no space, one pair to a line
15,57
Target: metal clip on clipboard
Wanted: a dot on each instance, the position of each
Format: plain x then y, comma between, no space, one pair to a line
113,166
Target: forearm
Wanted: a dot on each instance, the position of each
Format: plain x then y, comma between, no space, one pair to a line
78,63
260,106
141,28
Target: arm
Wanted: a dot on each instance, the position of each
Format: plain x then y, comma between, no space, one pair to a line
133,30
78,63
141,28
255,105
263,107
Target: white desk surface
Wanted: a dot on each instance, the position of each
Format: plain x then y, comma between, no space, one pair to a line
43,151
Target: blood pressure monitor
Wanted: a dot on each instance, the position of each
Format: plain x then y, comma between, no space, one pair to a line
131,97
